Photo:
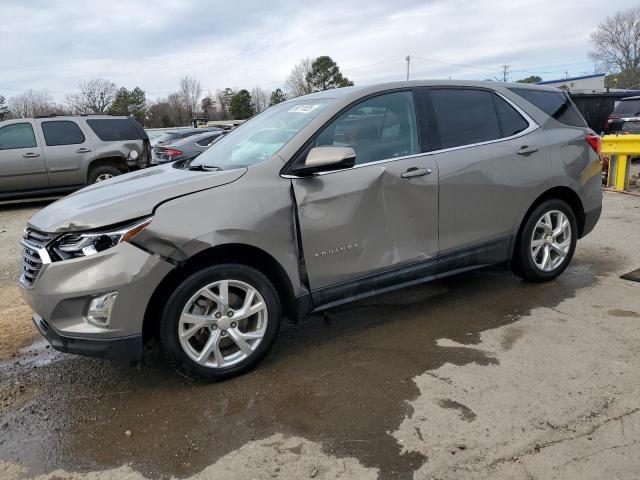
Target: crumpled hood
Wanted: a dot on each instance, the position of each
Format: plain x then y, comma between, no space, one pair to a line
126,197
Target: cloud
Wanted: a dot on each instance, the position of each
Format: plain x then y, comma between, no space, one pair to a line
56,45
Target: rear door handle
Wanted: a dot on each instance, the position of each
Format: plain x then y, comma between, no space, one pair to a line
415,172
31,155
83,150
526,150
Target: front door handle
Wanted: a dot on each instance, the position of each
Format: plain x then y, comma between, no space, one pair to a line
526,150
83,150
415,172
31,155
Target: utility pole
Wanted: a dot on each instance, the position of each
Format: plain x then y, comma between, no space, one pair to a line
408,59
505,72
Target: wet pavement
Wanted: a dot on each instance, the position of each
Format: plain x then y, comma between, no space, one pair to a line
343,380
355,384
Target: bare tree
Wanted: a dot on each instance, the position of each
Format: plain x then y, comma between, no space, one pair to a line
260,99
32,103
95,96
616,46
223,99
180,116
296,83
190,92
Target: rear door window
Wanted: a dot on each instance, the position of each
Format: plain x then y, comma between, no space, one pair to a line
511,122
555,104
117,129
379,128
17,135
464,116
62,133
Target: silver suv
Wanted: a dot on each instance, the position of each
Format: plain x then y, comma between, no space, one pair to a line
57,154
315,202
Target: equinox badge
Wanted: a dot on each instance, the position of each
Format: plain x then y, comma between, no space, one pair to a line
337,250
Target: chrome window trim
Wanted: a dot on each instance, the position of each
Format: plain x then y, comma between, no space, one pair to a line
533,126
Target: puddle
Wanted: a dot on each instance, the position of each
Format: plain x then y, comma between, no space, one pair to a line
342,380
38,354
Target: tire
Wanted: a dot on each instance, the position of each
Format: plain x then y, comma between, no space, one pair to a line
536,238
104,172
227,342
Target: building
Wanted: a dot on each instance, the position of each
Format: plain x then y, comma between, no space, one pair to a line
584,84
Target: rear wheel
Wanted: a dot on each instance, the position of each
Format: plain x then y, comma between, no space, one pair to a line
102,173
220,322
547,242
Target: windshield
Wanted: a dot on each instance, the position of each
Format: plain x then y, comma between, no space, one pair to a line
261,137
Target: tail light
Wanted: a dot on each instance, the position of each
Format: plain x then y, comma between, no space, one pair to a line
607,122
594,141
172,152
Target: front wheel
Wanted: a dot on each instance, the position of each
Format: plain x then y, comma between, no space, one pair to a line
547,242
220,322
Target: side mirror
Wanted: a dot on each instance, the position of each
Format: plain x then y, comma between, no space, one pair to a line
326,159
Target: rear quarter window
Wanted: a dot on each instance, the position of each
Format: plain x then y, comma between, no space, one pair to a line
511,122
116,129
555,104
628,107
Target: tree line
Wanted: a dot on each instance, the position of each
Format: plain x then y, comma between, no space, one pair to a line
179,108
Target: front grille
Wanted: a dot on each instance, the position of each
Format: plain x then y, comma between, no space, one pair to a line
32,243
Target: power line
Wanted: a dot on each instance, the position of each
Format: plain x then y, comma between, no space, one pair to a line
373,64
493,69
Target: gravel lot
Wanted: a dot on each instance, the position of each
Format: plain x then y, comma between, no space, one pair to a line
477,376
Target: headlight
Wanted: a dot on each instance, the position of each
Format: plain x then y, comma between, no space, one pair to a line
82,244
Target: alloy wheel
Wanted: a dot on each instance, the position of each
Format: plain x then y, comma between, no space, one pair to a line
551,240
223,323
103,177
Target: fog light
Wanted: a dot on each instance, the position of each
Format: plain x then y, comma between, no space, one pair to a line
99,311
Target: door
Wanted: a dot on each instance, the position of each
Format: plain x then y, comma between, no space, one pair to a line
22,164
493,160
66,150
379,215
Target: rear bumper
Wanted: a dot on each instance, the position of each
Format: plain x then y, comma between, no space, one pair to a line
123,349
590,219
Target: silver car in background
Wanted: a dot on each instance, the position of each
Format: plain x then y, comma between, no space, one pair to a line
315,202
61,153
187,147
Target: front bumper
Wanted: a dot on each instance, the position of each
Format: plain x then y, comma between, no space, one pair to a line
125,349
63,290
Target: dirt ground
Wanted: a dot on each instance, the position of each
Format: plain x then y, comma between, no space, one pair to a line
477,376
16,330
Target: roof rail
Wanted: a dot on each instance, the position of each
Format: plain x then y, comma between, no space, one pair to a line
53,115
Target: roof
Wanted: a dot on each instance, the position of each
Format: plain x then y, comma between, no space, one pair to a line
360,90
562,80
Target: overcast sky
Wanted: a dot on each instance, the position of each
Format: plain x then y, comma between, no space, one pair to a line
55,45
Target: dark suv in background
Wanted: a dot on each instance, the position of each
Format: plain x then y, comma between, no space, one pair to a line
625,117
58,154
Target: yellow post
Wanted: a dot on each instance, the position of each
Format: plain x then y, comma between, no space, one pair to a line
620,149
